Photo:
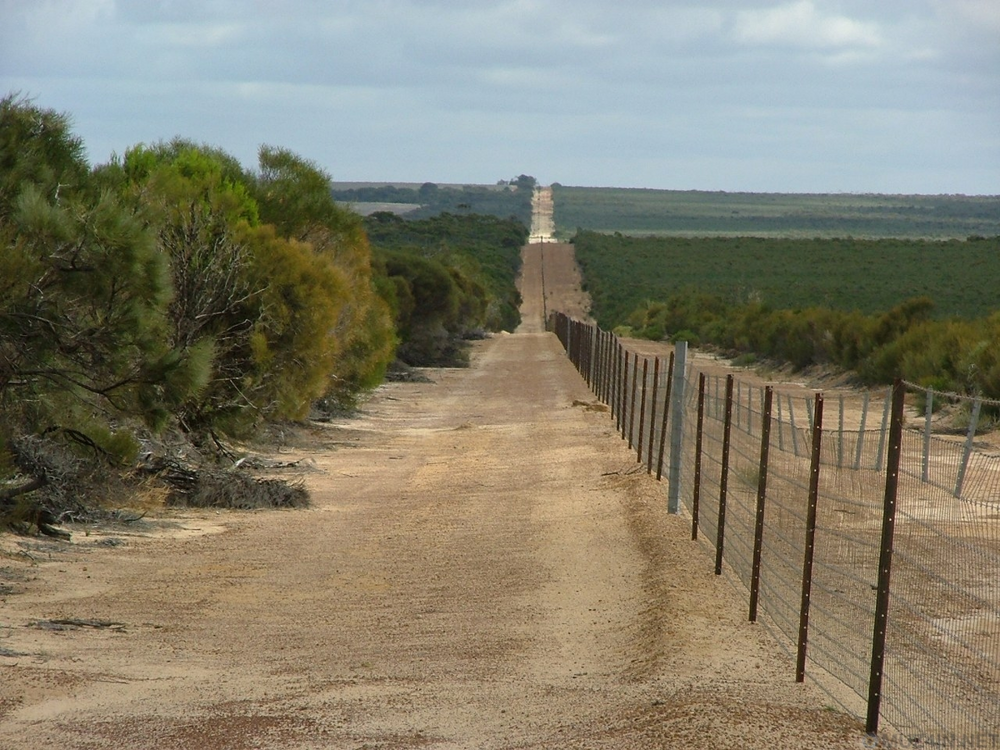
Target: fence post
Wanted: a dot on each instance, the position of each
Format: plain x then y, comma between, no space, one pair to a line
605,361
617,394
631,406
720,536
652,415
612,367
925,473
781,441
840,435
861,432
807,563
699,432
591,359
612,388
886,409
677,428
609,358
795,430
623,396
598,363
885,558
967,452
758,533
642,409
666,414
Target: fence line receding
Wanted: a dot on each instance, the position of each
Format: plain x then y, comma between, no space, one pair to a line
868,538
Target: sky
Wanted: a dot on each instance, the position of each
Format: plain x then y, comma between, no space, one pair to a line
859,96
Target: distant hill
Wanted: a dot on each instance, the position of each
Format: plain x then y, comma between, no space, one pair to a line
638,212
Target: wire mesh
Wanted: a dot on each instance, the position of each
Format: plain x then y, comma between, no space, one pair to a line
941,680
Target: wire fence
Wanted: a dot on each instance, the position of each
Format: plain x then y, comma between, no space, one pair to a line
866,537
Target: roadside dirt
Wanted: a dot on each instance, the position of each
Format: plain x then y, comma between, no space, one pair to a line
482,567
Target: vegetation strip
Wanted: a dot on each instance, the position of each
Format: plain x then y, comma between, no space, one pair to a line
914,309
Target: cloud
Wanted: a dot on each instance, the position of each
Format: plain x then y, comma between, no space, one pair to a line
644,92
802,24
983,15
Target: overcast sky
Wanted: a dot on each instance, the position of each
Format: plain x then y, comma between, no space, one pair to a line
899,96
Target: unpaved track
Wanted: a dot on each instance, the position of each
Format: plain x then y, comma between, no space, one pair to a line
542,215
481,568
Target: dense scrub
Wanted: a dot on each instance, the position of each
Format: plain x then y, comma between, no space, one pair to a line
961,356
447,278
697,291
167,289
703,213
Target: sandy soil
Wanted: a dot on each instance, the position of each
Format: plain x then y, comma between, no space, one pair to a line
482,567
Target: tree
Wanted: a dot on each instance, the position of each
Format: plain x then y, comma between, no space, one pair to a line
83,300
37,149
294,195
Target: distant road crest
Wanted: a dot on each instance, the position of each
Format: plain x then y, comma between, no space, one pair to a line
542,226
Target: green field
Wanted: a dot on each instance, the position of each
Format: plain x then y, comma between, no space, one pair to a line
622,273
700,213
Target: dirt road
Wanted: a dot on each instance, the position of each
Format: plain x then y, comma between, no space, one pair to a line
481,568
542,219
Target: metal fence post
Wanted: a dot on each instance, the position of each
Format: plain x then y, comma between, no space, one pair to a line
967,451
781,440
631,406
588,354
720,536
758,534
652,415
619,383
861,432
598,383
807,563
795,430
696,499
677,428
840,435
642,409
886,409
925,473
666,415
609,358
885,558
623,395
